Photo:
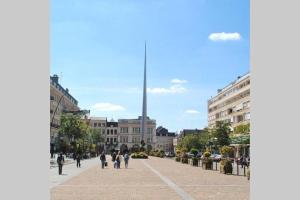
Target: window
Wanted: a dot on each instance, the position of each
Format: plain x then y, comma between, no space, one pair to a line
99,124
95,124
111,131
136,130
247,116
51,97
51,111
124,130
115,131
149,130
115,139
107,139
107,132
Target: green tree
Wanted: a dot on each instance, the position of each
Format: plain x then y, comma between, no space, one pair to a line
242,129
221,132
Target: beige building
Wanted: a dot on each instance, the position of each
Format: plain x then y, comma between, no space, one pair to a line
130,132
231,104
164,140
60,101
98,123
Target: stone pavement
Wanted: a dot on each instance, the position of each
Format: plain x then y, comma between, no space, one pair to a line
153,178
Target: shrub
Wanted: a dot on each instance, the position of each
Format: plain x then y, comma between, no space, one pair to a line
207,163
141,155
177,159
185,160
226,166
207,154
227,151
195,161
194,151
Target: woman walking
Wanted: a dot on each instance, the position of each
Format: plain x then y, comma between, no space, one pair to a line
126,158
118,159
103,160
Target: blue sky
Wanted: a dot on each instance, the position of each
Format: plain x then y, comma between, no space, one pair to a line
193,48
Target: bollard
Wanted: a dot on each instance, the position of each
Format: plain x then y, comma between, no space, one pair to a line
216,166
244,170
237,168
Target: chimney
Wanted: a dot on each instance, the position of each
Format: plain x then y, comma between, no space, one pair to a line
55,78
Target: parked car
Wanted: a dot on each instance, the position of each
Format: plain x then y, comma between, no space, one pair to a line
190,155
169,154
199,155
216,157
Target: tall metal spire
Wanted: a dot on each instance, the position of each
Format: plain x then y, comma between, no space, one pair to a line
144,114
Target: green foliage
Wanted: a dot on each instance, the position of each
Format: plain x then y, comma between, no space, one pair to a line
221,132
177,159
226,166
140,155
242,129
227,151
194,151
184,160
197,141
207,154
157,153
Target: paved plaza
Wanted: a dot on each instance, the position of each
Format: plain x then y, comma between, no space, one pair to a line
153,178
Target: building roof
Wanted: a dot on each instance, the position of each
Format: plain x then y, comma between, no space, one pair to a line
98,118
114,124
54,83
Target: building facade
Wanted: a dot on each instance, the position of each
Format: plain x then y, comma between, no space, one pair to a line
164,140
60,101
130,133
231,104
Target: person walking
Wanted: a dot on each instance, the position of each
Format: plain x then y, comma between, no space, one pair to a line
118,159
114,156
103,160
60,161
126,158
78,157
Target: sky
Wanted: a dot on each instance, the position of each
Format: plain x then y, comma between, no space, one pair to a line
194,48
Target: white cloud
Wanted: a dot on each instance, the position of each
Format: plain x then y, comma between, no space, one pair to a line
108,107
192,111
171,90
178,81
224,36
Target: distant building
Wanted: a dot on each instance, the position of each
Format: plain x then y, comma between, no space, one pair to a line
231,104
112,134
164,140
60,101
130,132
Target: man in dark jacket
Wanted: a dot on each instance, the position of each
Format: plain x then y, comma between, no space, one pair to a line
78,157
103,160
60,161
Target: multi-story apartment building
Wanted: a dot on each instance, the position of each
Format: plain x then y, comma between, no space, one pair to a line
98,123
130,132
164,140
112,134
60,101
231,104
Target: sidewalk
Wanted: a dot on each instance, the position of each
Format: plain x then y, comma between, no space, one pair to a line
70,170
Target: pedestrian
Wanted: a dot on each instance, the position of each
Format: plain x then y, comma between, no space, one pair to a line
126,158
114,156
118,159
60,161
78,157
242,161
103,160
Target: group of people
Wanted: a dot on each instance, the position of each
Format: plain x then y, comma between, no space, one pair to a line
244,161
116,159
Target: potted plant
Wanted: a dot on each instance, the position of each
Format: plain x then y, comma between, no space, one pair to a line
207,161
226,163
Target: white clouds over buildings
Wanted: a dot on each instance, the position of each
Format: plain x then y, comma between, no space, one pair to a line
173,89
108,107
